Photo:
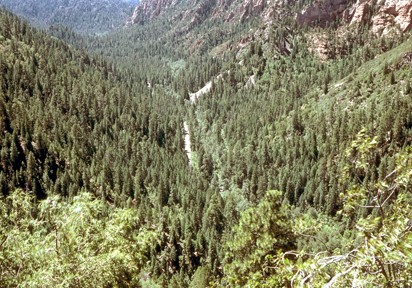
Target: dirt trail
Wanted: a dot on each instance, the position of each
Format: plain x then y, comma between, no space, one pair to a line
193,98
187,143
205,89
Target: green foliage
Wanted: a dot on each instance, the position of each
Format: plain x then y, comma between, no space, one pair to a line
82,16
105,114
382,256
201,278
261,233
60,244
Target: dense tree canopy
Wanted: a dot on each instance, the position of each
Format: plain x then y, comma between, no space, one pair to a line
93,166
98,16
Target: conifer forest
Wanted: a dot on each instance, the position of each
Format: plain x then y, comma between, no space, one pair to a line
207,143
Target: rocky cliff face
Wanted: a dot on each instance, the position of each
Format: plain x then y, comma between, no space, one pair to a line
229,10
148,9
361,10
389,13
321,12
252,7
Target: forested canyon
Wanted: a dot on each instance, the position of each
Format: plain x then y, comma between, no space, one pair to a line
208,143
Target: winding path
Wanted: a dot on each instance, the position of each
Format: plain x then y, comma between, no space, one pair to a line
187,143
193,98
205,89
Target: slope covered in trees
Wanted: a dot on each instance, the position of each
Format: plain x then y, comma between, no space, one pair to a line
83,16
279,170
73,122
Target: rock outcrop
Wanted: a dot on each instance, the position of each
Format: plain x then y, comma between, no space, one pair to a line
404,18
361,10
235,9
228,10
229,16
251,7
391,14
148,9
323,12
406,62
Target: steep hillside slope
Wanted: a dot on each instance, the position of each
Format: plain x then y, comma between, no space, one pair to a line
71,122
83,16
382,16
196,11
299,135
220,26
